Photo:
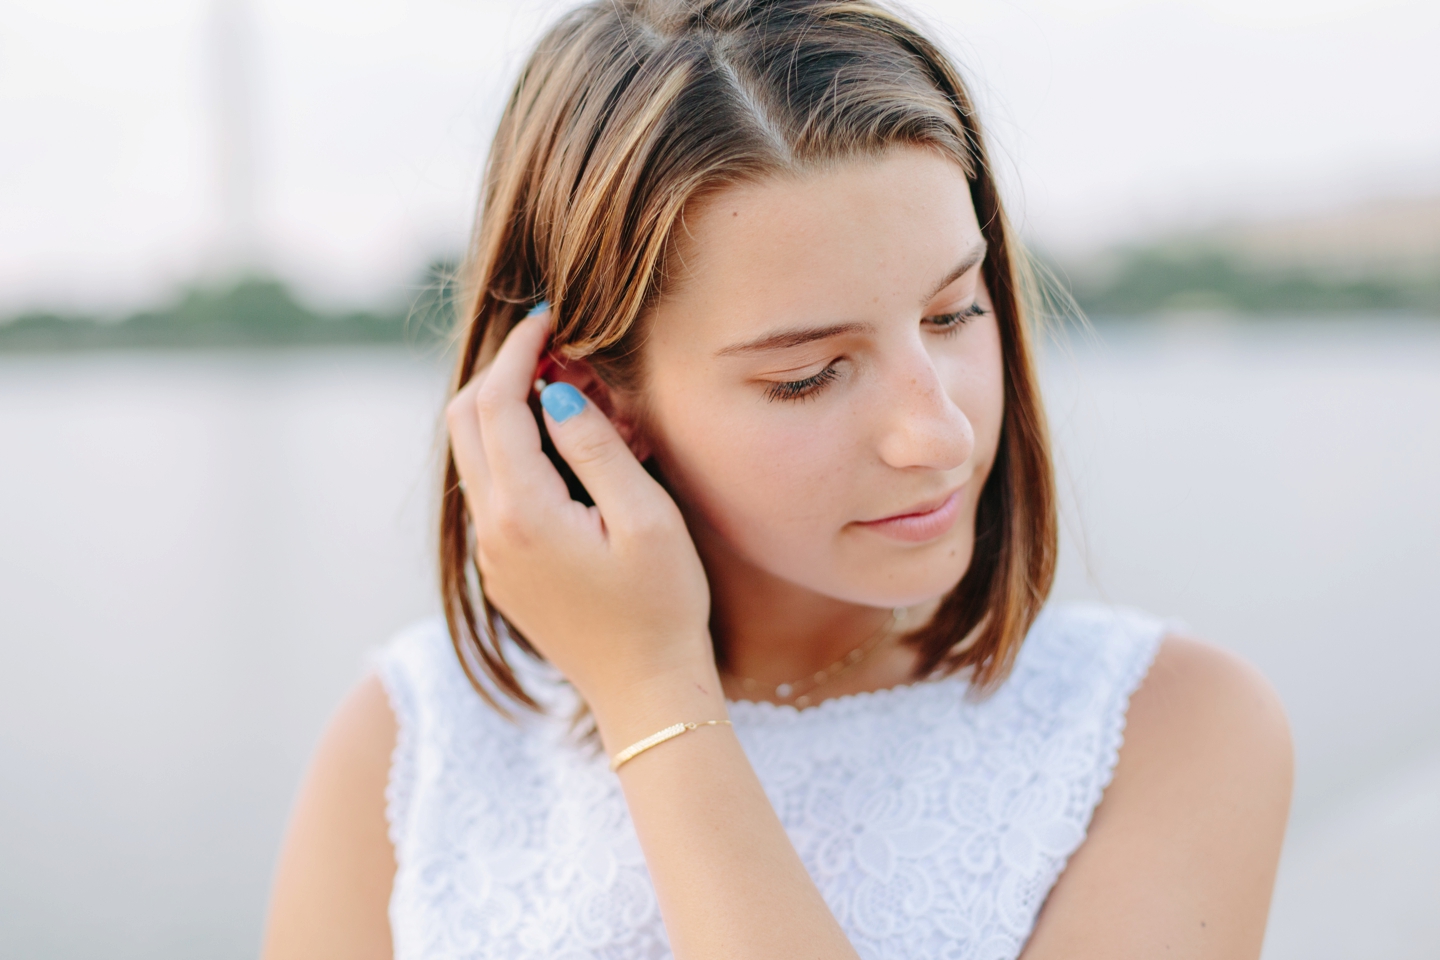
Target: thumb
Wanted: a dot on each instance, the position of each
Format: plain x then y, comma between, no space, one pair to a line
597,453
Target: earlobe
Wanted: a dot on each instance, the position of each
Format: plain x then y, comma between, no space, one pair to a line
628,426
578,374
582,376
634,438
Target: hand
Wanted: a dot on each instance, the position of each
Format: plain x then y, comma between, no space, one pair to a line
613,595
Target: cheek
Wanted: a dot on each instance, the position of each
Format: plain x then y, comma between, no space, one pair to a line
767,485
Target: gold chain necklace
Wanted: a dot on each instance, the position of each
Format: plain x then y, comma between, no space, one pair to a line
800,690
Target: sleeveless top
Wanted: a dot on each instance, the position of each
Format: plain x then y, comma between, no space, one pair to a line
934,822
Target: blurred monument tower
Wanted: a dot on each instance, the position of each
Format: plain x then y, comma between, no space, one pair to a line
230,56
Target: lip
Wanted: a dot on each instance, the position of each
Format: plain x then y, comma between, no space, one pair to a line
924,521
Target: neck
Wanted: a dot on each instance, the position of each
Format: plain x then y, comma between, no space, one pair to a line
774,631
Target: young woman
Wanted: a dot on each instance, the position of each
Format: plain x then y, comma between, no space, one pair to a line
780,542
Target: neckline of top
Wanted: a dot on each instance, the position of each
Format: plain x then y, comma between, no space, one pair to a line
847,702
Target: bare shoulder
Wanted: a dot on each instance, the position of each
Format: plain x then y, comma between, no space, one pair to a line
1199,696
1181,854
336,868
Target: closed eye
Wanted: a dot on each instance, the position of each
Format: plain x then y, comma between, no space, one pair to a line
799,389
947,323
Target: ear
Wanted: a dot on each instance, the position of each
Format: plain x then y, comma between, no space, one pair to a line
582,376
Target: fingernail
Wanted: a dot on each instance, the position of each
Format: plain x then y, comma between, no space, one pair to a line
540,307
562,401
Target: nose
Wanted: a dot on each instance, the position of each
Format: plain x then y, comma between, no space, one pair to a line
920,426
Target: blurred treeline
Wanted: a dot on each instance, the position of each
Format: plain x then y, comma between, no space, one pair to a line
1384,257
253,311
1378,256
1159,280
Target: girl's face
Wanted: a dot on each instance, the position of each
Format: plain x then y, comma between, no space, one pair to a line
824,382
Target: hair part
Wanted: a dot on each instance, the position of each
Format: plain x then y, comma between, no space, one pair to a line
631,111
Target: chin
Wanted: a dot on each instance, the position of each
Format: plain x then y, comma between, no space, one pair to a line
913,596
914,578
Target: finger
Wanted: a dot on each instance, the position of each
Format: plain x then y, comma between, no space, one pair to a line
507,426
625,494
466,446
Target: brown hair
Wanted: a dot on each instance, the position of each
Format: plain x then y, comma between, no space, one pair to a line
629,110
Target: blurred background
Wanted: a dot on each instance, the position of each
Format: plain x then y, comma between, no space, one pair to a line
224,226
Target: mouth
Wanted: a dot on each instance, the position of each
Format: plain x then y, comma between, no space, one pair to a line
921,522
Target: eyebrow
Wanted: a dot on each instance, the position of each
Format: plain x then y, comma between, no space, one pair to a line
800,336
794,338
967,263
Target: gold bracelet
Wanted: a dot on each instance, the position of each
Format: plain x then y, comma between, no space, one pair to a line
669,733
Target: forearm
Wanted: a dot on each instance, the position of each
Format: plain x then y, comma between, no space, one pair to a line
729,881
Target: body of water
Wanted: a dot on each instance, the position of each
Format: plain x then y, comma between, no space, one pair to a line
197,550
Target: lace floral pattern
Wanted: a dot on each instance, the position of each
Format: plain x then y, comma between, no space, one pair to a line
933,822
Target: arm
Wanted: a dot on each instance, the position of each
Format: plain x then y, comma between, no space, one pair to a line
616,598
1181,855
332,885
728,879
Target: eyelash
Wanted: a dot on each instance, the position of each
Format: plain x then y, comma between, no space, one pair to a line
948,323
800,389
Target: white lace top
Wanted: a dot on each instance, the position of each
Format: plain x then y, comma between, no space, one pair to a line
934,823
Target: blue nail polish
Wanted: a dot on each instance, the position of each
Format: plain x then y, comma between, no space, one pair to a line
540,307
562,401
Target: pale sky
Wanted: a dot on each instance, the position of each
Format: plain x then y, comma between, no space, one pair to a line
1114,118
